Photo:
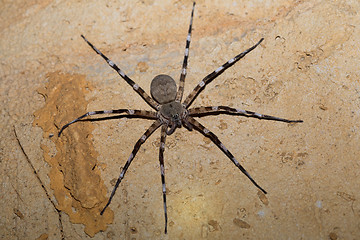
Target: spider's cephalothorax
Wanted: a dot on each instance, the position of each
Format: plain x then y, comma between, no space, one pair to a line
172,112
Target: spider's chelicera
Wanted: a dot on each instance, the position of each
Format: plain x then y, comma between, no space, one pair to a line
172,112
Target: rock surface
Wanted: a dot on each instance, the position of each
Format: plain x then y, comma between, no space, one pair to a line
306,68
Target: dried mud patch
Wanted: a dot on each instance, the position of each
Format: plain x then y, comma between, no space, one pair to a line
74,175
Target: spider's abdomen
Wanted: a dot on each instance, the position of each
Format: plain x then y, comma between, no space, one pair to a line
163,89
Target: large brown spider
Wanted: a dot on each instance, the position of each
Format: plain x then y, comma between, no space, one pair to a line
171,113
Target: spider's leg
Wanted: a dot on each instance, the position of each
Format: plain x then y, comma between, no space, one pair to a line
138,113
180,92
134,85
191,97
137,146
162,169
203,111
218,143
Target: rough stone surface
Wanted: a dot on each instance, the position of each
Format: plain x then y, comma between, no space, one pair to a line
306,68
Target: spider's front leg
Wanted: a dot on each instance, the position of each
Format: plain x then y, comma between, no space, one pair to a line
162,169
204,111
137,146
199,127
132,112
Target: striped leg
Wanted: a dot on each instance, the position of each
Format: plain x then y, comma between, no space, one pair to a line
216,73
180,92
162,169
137,146
135,86
203,111
137,113
218,143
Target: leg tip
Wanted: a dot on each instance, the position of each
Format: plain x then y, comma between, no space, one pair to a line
59,134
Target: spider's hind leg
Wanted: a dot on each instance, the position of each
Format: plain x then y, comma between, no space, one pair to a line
134,85
199,127
203,83
180,92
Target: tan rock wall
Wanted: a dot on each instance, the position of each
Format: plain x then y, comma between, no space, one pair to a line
306,68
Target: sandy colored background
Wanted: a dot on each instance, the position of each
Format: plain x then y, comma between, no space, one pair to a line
306,68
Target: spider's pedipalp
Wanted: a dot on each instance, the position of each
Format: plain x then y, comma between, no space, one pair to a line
191,97
135,86
137,146
162,170
173,115
180,92
206,132
138,113
203,111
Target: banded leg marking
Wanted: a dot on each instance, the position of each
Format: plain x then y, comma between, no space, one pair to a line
137,146
190,98
139,113
135,86
222,147
224,109
162,169
180,92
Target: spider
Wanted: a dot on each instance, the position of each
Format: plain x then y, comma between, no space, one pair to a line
172,113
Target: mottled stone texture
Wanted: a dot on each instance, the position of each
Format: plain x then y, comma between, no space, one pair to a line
306,68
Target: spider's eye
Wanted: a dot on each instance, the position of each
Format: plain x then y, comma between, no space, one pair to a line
176,116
